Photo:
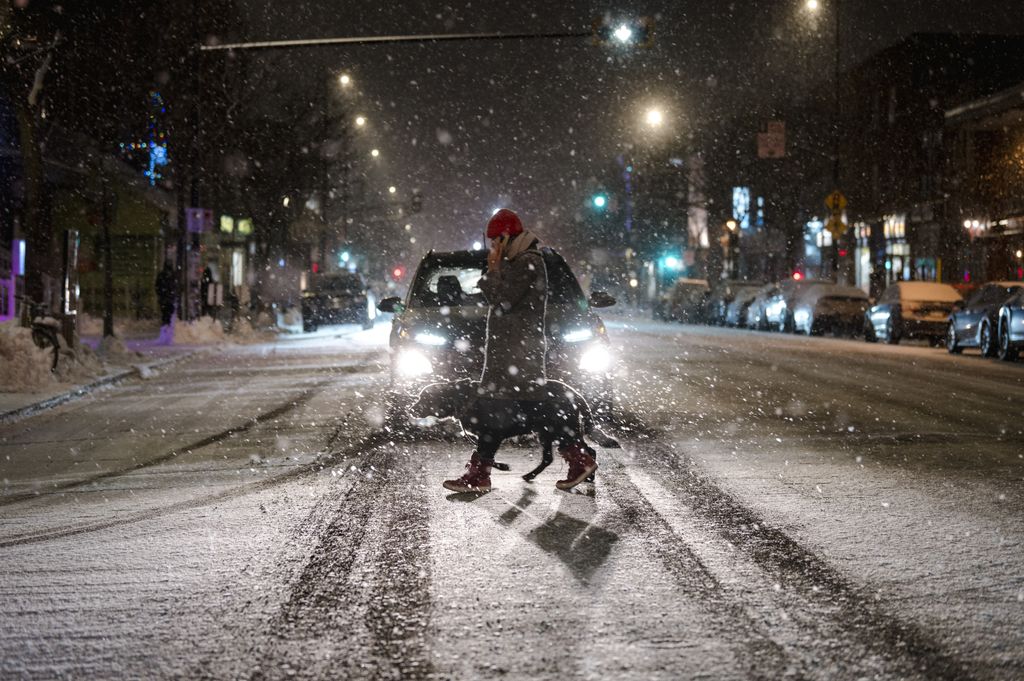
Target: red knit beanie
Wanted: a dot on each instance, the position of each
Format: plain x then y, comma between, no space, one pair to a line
504,222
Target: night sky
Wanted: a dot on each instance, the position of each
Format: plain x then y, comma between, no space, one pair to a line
525,124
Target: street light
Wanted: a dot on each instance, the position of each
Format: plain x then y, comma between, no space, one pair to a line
360,121
344,80
654,118
375,152
392,189
813,6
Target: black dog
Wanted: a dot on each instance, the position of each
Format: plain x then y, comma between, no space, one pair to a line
565,418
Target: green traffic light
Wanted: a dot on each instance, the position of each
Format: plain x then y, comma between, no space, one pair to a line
600,201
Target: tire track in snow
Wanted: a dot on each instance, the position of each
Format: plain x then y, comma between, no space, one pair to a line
758,653
370,441
360,607
835,619
249,424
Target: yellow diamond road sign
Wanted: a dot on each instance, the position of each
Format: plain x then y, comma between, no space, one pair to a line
836,226
836,202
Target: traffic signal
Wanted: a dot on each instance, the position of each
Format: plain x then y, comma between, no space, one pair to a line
632,32
600,201
398,272
416,204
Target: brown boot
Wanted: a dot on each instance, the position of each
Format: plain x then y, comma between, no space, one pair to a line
581,465
477,477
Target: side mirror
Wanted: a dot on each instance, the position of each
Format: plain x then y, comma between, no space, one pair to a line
601,299
392,304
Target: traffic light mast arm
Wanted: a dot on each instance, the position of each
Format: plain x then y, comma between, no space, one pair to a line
638,32
385,39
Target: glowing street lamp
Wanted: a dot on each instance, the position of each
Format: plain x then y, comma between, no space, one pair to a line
392,189
375,152
813,5
344,80
360,121
654,117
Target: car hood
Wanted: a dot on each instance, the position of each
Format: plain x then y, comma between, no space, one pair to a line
471,321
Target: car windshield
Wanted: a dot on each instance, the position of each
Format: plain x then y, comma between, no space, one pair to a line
448,283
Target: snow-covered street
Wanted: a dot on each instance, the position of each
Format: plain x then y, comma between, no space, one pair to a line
780,507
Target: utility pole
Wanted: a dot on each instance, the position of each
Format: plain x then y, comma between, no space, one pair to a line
836,112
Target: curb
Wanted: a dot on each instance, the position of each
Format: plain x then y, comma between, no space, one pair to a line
83,390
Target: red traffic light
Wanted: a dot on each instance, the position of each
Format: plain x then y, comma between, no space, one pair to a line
316,268
798,275
398,273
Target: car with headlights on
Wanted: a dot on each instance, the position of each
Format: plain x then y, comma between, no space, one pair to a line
830,308
974,324
439,328
911,309
336,298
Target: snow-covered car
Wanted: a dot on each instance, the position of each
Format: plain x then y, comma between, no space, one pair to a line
736,312
337,298
721,296
973,325
911,309
438,331
830,308
1010,327
778,307
756,317
684,302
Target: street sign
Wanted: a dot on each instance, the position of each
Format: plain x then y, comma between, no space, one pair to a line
836,202
836,226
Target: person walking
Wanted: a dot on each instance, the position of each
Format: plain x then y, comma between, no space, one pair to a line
514,387
167,298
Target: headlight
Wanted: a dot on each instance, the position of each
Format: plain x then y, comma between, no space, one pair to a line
411,363
596,360
430,339
801,316
578,335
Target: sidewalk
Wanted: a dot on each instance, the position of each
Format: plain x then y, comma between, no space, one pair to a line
18,405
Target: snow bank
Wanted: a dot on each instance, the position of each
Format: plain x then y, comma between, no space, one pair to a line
202,331
24,367
112,349
123,328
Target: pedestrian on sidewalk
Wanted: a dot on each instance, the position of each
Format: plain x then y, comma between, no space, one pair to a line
167,298
514,386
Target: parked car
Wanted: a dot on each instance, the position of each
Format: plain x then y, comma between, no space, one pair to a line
684,302
778,307
830,308
1010,326
736,312
439,329
974,325
756,317
721,295
911,309
337,298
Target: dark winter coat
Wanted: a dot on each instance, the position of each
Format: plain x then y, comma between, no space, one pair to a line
514,357
166,287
